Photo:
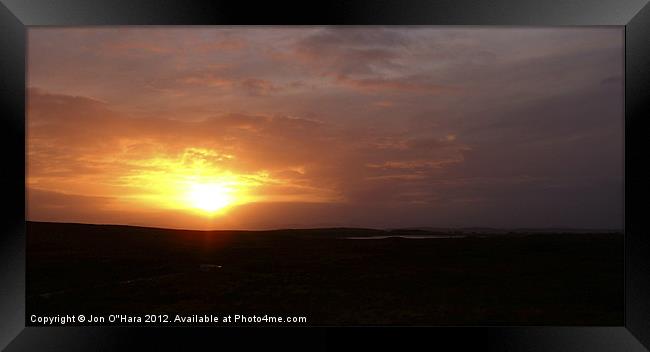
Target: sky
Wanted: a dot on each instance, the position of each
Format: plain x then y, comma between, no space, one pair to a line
301,127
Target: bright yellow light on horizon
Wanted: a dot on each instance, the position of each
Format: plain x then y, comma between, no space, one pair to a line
191,183
210,197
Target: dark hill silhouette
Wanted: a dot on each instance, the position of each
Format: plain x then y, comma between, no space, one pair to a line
523,278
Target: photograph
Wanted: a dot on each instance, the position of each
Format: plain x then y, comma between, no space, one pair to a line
325,175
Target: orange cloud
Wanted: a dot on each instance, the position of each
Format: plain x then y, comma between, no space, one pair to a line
380,126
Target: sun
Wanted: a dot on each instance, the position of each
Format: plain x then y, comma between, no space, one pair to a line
210,197
191,184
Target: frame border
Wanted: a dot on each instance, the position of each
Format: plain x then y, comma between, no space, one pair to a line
16,15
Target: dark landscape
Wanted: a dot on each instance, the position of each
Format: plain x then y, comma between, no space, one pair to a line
457,277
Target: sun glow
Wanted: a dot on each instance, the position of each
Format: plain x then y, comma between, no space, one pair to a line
192,182
210,197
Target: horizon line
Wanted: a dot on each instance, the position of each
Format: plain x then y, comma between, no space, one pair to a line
415,228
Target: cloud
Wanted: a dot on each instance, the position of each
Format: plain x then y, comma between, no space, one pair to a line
365,126
351,51
257,87
83,139
403,84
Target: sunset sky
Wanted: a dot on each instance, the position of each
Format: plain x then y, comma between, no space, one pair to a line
275,127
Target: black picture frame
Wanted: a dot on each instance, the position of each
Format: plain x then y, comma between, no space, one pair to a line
17,15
